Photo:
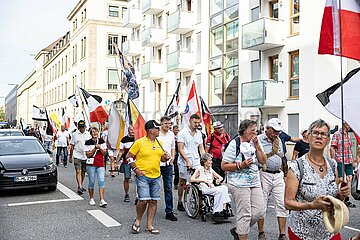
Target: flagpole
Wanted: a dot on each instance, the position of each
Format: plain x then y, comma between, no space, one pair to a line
83,105
342,97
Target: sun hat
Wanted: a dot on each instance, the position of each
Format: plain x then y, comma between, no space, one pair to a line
336,219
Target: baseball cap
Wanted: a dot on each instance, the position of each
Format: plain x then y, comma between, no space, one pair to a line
275,123
81,123
151,124
217,124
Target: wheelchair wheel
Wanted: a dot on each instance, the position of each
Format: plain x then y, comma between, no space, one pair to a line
191,201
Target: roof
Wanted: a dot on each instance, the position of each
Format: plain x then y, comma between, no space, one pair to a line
9,138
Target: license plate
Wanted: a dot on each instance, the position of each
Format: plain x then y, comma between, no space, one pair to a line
25,178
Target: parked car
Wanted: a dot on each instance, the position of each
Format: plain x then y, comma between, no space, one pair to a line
24,163
11,132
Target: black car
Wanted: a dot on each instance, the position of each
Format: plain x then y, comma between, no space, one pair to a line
24,163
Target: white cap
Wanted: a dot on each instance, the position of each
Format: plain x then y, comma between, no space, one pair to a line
275,123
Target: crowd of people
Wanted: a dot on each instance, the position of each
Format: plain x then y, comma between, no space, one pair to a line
253,163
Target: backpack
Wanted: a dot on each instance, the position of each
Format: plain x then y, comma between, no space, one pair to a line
301,167
227,138
238,143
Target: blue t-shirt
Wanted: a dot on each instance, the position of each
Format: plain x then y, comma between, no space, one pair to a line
284,137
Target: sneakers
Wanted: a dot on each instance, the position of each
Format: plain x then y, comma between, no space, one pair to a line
261,236
127,198
83,189
350,204
103,204
171,217
180,207
92,202
79,191
234,233
282,237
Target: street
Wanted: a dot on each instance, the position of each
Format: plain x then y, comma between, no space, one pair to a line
38,214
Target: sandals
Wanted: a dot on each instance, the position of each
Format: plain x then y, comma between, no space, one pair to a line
135,228
153,231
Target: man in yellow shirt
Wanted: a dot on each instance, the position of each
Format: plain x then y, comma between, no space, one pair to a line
148,152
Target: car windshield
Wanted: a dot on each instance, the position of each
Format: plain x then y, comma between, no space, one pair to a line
4,134
20,147
16,133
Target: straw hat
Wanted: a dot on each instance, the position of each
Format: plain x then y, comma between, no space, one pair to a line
335,220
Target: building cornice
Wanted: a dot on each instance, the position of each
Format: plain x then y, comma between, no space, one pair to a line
76,9
56,55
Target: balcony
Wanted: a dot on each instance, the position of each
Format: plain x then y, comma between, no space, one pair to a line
132,18
181,22
180,61
132,48
263,34
152,6
152,70
263,94
152,37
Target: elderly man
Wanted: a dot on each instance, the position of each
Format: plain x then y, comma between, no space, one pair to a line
148,152
190,143
215,145
63,138
272,177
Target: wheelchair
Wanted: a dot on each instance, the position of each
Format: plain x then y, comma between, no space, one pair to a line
196,203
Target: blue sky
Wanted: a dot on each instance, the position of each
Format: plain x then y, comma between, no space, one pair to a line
26,27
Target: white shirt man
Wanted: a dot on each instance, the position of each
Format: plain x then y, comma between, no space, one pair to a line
62,138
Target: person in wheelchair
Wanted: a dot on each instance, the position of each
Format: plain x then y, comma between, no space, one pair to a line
204,175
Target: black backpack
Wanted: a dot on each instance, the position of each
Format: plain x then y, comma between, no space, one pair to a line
212,138
238,143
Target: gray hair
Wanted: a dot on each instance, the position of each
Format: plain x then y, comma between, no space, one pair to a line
245,124
318,124
204,158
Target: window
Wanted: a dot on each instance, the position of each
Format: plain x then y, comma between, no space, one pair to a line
232,33
113,11
198,47
74,53
66,60
62,66
83,47
74,24
112,39
55,70
123,39
123,10
274,67
198,12
158,96
293,124
59,69
144,98
294,74
65,89
216,6
274,8
255,70
216,41
294,17
188,44
255,13
113,79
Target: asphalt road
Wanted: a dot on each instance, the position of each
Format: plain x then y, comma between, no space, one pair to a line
64,215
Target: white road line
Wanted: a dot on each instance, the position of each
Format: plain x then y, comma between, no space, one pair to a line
70,194
104,218
354,229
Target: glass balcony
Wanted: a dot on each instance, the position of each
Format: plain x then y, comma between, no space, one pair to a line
263,34
132,18
180,61
152,70
263,94
152,37
132,48
181,22
152,6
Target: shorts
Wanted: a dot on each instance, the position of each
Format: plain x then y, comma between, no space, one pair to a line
126,170
113,152
80,164
148,188
184,173
349,169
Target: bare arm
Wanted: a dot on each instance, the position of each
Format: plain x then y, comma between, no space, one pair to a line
118,157
172,156
332,152
201,149
133,165
194,177
295,154
90,153
217,176
182,153
207,149
295,139
261,156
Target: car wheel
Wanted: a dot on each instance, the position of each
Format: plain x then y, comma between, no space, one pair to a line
52,188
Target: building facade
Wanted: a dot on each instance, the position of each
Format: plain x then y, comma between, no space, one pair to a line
11,107
26,98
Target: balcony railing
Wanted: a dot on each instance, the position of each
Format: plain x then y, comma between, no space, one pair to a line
152,70
263,94
132,18
152,6
181,22
152,37
263,34
132,48
180,61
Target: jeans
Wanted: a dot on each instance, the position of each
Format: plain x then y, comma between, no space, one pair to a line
167,174
65,151
100,172
148,188
176,171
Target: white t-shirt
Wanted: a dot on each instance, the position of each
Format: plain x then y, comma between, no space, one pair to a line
191,146
78,140
168,143
62,138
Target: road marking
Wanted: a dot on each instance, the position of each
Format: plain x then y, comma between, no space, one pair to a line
104,218
70,194
354,229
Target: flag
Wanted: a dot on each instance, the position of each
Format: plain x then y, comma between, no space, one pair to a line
50,130
330,29
206,115
136,120
65,120
192,105
74,101
172,109
97,112
130,83
39,114
116,130
55,121
331,98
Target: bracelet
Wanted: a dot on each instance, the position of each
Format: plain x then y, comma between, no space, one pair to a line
238,165
135,168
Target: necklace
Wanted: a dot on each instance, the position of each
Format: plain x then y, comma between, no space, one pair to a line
321,166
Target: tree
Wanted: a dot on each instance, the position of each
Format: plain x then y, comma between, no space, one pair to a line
2,114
